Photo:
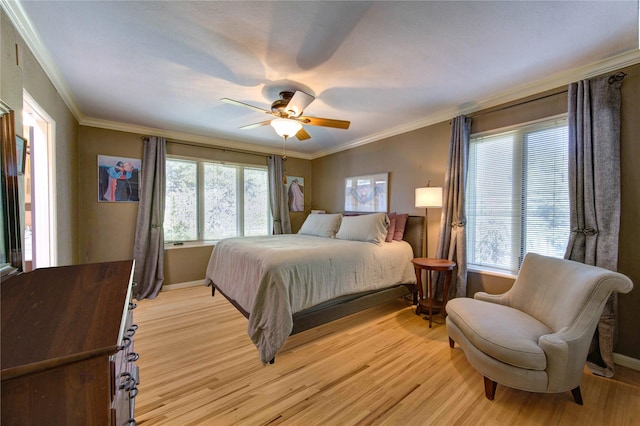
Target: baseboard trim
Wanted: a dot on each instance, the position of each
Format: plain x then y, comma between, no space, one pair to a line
168,287
626,361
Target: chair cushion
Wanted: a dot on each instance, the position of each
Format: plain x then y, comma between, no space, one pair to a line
501,332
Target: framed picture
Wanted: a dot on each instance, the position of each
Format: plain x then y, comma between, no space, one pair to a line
21,154
367,193
118,178
295,190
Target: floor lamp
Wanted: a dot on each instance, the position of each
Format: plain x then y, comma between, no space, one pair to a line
426,198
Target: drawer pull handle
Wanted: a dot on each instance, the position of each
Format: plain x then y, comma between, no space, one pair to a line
126,342
133,356
132,330
128,381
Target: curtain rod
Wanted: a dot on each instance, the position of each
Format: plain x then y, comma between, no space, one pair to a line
619,76
472,115
202,145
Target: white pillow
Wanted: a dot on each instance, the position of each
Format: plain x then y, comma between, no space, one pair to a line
369,227
321,225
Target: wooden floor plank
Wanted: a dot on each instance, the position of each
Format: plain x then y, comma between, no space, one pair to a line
382,366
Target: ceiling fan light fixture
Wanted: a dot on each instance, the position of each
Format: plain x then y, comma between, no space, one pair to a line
286,127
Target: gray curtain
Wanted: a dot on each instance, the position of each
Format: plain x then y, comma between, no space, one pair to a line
278,195
452,242
594,194
148,250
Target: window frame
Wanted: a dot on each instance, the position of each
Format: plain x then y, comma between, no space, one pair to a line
200,191
519,189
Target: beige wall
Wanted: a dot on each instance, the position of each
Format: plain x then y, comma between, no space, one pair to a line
186,264
30,76
629,248
106,230
412,159
415,157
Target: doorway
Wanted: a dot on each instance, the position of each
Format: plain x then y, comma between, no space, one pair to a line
40,239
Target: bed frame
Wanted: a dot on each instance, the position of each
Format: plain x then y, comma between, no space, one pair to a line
350,304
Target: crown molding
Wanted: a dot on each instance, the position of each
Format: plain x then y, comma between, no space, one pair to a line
560,79
4,107
563,78
31,37
557,80
188,137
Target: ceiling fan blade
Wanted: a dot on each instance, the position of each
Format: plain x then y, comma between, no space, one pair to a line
325,122
302,135
242,104
299,101
254,125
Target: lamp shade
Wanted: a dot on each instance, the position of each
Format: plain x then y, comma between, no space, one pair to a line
430,196
286,127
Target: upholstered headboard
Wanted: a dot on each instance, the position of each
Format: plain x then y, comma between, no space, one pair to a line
414,234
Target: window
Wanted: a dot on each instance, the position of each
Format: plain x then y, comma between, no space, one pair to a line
517,195
211,201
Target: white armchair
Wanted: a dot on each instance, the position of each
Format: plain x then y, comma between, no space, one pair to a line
536,336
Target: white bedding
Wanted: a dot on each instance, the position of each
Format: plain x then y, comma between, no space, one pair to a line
275,276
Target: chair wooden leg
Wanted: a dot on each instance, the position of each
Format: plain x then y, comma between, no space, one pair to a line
577,396
451,342
489,388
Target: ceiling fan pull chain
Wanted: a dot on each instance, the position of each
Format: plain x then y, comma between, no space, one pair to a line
284,158
284,154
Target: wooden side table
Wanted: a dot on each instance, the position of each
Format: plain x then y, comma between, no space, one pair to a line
430,264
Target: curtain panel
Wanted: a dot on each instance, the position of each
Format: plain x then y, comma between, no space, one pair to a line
452,241
594,194
148,250
278,195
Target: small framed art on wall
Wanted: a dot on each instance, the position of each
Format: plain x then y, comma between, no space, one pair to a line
368,193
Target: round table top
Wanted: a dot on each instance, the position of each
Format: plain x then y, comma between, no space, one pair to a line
433,263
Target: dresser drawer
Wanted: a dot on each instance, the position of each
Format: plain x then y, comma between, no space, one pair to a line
67,336
125,375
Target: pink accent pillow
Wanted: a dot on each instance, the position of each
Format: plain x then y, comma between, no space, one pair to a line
392,227
401,222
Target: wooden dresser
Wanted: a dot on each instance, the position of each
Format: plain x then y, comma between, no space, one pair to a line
67,346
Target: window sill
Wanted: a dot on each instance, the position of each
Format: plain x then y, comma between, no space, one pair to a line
490,272
189,244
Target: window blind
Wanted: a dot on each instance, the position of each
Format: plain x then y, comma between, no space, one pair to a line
517,195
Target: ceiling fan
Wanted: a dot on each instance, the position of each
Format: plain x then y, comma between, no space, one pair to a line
288,119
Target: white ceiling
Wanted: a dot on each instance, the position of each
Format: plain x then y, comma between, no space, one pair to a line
161,67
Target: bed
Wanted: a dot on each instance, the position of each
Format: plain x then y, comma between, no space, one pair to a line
335,266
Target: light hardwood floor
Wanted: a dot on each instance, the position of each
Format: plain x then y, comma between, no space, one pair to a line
380,366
